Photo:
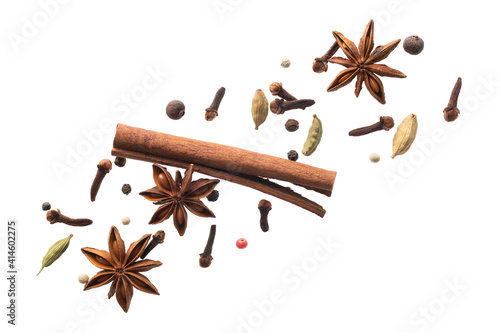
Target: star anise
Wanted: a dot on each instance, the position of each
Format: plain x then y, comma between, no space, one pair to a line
121,268
361,64
175,196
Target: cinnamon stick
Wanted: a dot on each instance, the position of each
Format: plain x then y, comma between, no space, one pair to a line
225,158
254,182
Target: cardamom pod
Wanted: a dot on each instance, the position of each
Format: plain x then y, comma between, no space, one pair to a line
55,251
259,108
405,134
314,137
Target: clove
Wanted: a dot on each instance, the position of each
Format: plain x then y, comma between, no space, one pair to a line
278,90
158,238
320,64
279,106
102,169
385,123
206,257
54,216
212,111
451,112
264,207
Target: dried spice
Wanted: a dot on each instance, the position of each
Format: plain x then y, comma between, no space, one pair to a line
277,89
206,257
293,155
264,208
213,110
291,125
320,64
158,238
125,220
413,45
55,252
254,170
405,135
259,108
285,62
374,157
46,206
103,168
362,64
83,278
120,162
279,106
451,112
126,189
121,268
241,243
175,109
55,216
314,137
175,196
385,123
213,196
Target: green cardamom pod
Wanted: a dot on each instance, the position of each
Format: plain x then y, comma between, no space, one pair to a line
55,251
314,137
405,134
259,108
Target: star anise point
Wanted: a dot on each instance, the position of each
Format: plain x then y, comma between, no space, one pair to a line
361,63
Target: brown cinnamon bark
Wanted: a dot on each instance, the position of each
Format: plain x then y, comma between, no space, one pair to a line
257,183
224,158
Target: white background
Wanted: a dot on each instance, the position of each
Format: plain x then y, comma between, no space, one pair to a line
407,228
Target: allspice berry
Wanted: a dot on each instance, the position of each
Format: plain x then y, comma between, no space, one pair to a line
413,45
293,155
46,206
126,189
175,109
292,125
213,196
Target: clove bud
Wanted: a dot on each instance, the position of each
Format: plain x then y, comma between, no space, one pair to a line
279,106
54,216
102,169
206,257
264,207
451,112
385,123
158,238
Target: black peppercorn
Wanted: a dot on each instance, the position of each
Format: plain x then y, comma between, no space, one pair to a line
292,125
175,110
120,161
126,189
293,155
213,196
413,45
46,206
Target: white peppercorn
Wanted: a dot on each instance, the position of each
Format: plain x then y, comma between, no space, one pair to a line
374,157
83,278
